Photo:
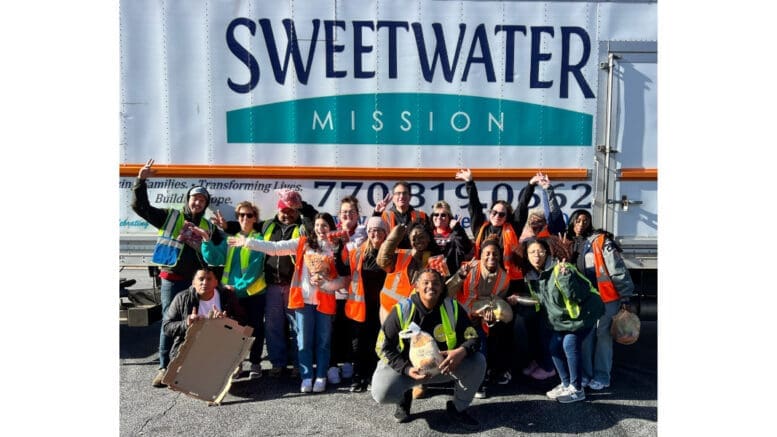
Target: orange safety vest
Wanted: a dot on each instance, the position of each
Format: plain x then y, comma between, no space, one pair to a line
469,290
606,288
355,306
397,285
389,217
327,303
509,243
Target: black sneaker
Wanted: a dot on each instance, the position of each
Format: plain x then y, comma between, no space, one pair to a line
402,413
504,378
462,417
358,386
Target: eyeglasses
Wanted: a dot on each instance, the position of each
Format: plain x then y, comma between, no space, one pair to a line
440,214
537,252
245,214
401,193
500,214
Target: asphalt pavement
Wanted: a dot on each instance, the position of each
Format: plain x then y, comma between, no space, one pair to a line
275,407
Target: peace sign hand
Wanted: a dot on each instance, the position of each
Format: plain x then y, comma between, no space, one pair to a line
383,204
219,220
146,170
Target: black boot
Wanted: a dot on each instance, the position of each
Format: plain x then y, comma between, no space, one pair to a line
402,413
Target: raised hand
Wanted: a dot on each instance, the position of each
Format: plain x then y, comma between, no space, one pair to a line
191,318
544,180
464,174
383,204
146,170
219,220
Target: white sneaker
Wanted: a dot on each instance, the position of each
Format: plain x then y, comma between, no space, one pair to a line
333,375
256,371
307,385
320,385
557,391
347,370
596,385
571,394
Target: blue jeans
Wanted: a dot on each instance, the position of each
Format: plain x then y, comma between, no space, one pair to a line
597,347
168,290
276,320
254,308
565,351
314,332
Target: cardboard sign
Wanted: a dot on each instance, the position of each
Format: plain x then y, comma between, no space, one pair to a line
211,352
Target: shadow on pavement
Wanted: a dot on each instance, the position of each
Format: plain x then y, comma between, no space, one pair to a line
139,341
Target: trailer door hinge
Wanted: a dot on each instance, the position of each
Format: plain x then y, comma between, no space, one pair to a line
603,149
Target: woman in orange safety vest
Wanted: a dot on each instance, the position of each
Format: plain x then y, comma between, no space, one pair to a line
320,269
483,278
402,264
595,253
362,306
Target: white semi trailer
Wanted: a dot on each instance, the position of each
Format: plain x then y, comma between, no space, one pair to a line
333,98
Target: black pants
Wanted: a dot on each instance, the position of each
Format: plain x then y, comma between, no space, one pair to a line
364,337
254,308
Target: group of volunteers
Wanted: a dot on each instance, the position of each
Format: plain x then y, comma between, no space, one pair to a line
335,299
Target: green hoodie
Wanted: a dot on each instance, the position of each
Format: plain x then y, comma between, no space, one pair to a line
582,299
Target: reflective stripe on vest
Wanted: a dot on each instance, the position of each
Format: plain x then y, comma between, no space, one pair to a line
471,286
390,293
268,234
168,234
449,310
603,281
573,309
388,217
245,254
509,243
355,306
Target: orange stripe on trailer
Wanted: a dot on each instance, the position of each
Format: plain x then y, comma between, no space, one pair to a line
349,173
639,174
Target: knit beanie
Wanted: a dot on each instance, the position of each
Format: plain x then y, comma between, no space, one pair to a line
377,222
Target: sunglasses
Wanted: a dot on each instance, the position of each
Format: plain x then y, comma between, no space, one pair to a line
439,214
499,214
246,214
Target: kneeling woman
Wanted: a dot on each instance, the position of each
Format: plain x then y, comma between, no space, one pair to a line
320,270
573,306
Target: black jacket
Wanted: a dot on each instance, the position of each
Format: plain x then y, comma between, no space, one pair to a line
190,259
518,220
174,321
388,341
